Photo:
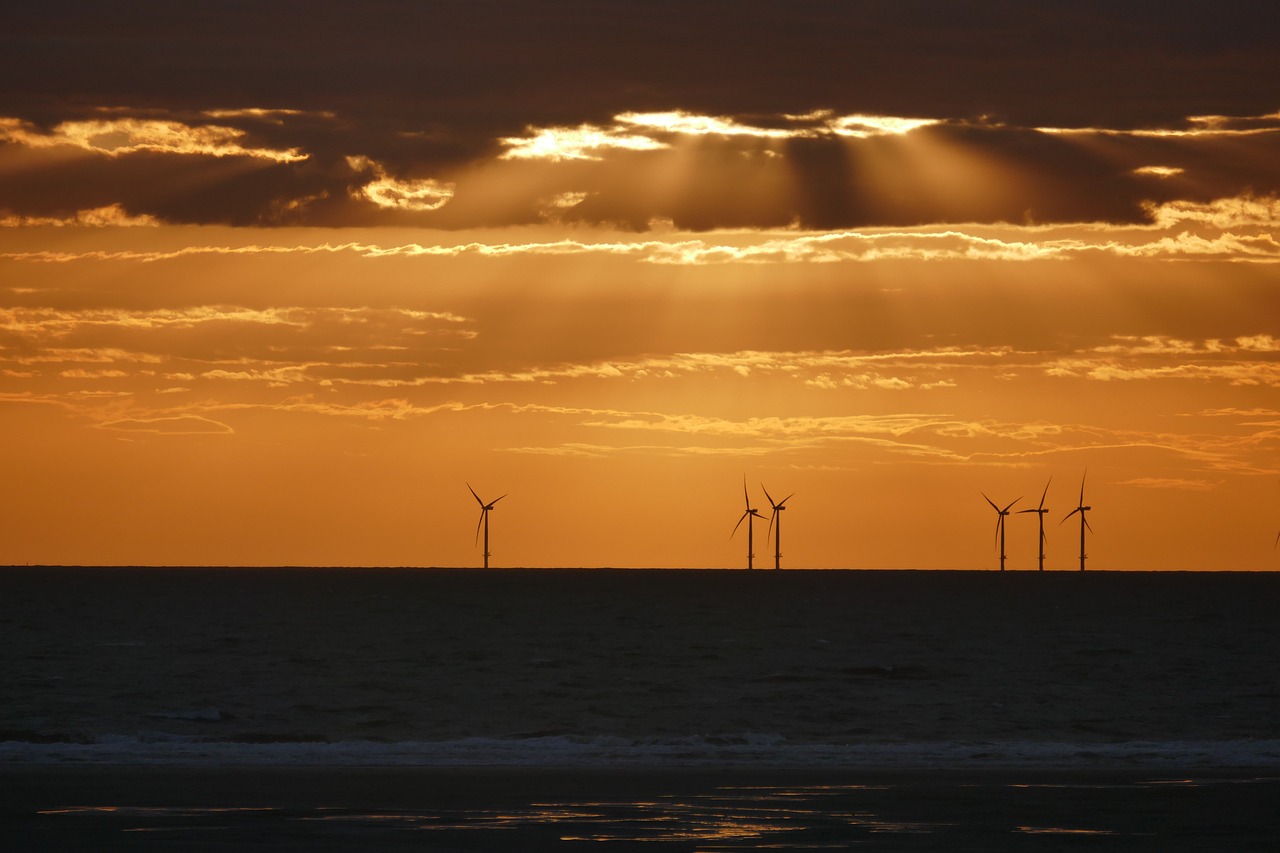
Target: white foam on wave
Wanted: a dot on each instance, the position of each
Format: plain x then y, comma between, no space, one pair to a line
746,750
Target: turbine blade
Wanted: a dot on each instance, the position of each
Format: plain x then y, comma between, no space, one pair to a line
767,497
474,495
1068,515
1010,506
1082,479
478,523
993,503
782,502
746,499
495,501
739,524
769,529
1085,519
1046,491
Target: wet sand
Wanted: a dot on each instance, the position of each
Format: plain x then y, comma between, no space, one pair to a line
465,809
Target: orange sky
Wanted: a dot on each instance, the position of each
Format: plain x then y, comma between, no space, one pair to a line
277,332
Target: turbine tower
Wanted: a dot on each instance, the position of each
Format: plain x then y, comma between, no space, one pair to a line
750,515
1000,516
1040,511
1084,522
775,522
485,509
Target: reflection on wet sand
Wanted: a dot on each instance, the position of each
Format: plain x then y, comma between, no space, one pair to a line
989,813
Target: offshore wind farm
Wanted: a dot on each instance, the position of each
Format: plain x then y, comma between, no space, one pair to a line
774,526
750,514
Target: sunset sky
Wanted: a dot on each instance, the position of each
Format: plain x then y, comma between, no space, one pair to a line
277,280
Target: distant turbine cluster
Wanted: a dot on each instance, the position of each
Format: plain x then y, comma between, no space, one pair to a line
775,524
750,514
1040,511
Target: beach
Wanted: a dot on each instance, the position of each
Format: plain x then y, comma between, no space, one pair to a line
195,709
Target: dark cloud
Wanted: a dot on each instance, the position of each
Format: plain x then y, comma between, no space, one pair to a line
948,172
495,65
428,91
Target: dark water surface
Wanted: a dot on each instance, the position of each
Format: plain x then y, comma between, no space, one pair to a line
365,666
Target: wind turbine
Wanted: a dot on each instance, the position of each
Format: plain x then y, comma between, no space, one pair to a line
485,509
1040,511
1001,513
750,515
775,522
1084,522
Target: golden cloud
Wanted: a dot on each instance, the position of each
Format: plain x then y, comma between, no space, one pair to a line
655,131
176,425
585,142
399,194
109,216
57,322
117,137
1223,213
1198,230
1197,126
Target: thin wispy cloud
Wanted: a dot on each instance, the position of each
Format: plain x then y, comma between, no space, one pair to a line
1220,223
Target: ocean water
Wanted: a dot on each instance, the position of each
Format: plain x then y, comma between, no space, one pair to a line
639,668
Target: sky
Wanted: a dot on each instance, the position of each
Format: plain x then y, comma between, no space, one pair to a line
279,280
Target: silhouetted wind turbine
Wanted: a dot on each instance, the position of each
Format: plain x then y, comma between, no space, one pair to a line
1084,522
1040,511
485,509
750,515
775,522
1000,515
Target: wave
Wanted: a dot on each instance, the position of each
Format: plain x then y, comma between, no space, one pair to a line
733,750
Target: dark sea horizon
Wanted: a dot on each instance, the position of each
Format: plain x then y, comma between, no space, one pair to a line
631,666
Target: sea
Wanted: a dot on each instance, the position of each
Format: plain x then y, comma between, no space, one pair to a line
1160,677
